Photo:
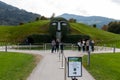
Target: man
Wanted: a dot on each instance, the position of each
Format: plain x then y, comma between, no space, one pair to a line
53,43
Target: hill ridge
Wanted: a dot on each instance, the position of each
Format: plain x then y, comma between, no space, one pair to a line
10,15
89,20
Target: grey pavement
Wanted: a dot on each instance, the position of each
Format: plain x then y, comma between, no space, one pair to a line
50,68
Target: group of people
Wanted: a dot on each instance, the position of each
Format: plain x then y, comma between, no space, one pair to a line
56,46
85,45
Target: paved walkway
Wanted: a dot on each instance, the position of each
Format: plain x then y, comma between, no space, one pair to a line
50,66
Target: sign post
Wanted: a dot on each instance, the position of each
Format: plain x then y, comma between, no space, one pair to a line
114,49
88,63
74,67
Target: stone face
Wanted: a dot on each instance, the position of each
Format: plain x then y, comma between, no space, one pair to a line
59,25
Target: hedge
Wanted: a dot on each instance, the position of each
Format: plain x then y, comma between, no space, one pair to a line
38,38
45,38
75,38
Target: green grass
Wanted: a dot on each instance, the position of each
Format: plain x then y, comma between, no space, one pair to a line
16,66
19,33
100,36
104,66
94,33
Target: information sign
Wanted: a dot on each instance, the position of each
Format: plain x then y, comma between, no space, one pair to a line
74,66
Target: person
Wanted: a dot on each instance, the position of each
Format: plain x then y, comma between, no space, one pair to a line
79,45
87,45
83,45
53,43
57,45
61,47
92,45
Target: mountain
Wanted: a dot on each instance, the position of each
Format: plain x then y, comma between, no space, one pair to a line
10,15
90,20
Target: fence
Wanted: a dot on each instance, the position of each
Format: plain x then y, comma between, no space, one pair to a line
47,46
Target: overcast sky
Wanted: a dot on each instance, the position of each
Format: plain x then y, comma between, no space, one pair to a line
105,8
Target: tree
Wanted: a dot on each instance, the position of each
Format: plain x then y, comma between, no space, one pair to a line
72,20
21,23
53,15
43,18
114,27
105,27
37,19
94,25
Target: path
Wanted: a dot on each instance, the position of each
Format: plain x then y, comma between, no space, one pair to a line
50,66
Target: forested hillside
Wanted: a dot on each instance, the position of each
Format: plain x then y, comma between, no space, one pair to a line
10,15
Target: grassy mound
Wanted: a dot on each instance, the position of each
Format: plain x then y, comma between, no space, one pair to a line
101,37
19,33
94,33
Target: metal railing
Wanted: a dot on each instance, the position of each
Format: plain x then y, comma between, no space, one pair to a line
47,46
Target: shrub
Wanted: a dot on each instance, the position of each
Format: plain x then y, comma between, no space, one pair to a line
38,38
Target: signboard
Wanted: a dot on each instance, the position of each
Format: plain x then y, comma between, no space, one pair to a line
74,66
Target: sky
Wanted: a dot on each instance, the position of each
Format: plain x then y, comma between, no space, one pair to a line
105,8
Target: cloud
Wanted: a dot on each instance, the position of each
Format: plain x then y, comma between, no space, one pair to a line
107,8
116,1
82,12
